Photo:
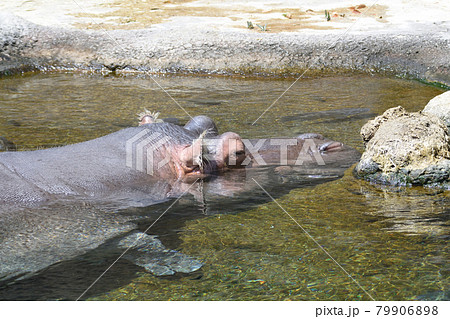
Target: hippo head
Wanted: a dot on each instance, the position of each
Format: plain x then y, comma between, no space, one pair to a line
207,156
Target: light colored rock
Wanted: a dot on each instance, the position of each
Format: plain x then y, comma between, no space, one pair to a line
405,148
440,106
371,127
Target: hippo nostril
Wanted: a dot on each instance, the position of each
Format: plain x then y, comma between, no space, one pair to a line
330,146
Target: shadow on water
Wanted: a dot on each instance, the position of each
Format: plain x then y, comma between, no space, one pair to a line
260,254
391,240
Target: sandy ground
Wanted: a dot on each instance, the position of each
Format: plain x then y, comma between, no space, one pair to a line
278,16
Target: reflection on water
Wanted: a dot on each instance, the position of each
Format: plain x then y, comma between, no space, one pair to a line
391,240
262,255
49,109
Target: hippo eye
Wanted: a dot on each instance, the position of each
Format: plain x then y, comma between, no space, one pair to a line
239,153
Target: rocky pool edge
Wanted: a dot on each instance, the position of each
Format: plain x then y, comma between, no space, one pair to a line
25,46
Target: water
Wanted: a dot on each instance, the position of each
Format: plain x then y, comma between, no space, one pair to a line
49,109
391,240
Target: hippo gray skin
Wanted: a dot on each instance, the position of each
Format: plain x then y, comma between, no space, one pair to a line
307,159
97,169
56,203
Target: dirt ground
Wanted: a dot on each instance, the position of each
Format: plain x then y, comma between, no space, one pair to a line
264,15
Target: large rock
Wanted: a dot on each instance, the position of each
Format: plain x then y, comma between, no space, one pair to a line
440,106
405,148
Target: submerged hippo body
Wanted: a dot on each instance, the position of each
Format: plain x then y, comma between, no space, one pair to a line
44,217
55,204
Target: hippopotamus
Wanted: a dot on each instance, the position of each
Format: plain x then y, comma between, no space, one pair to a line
139,166
56,203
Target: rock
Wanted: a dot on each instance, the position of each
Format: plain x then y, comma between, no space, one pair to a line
27,46
368,130
405,148
440,106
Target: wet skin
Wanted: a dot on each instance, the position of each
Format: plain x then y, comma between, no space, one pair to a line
54,202
58,197
308,149
98,169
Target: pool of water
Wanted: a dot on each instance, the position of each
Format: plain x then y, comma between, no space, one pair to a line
392,241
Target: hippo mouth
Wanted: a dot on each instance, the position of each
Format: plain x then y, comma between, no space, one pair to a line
207,168
195,171
198,170
193,174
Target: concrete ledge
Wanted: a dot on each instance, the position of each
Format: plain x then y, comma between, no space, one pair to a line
27,46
